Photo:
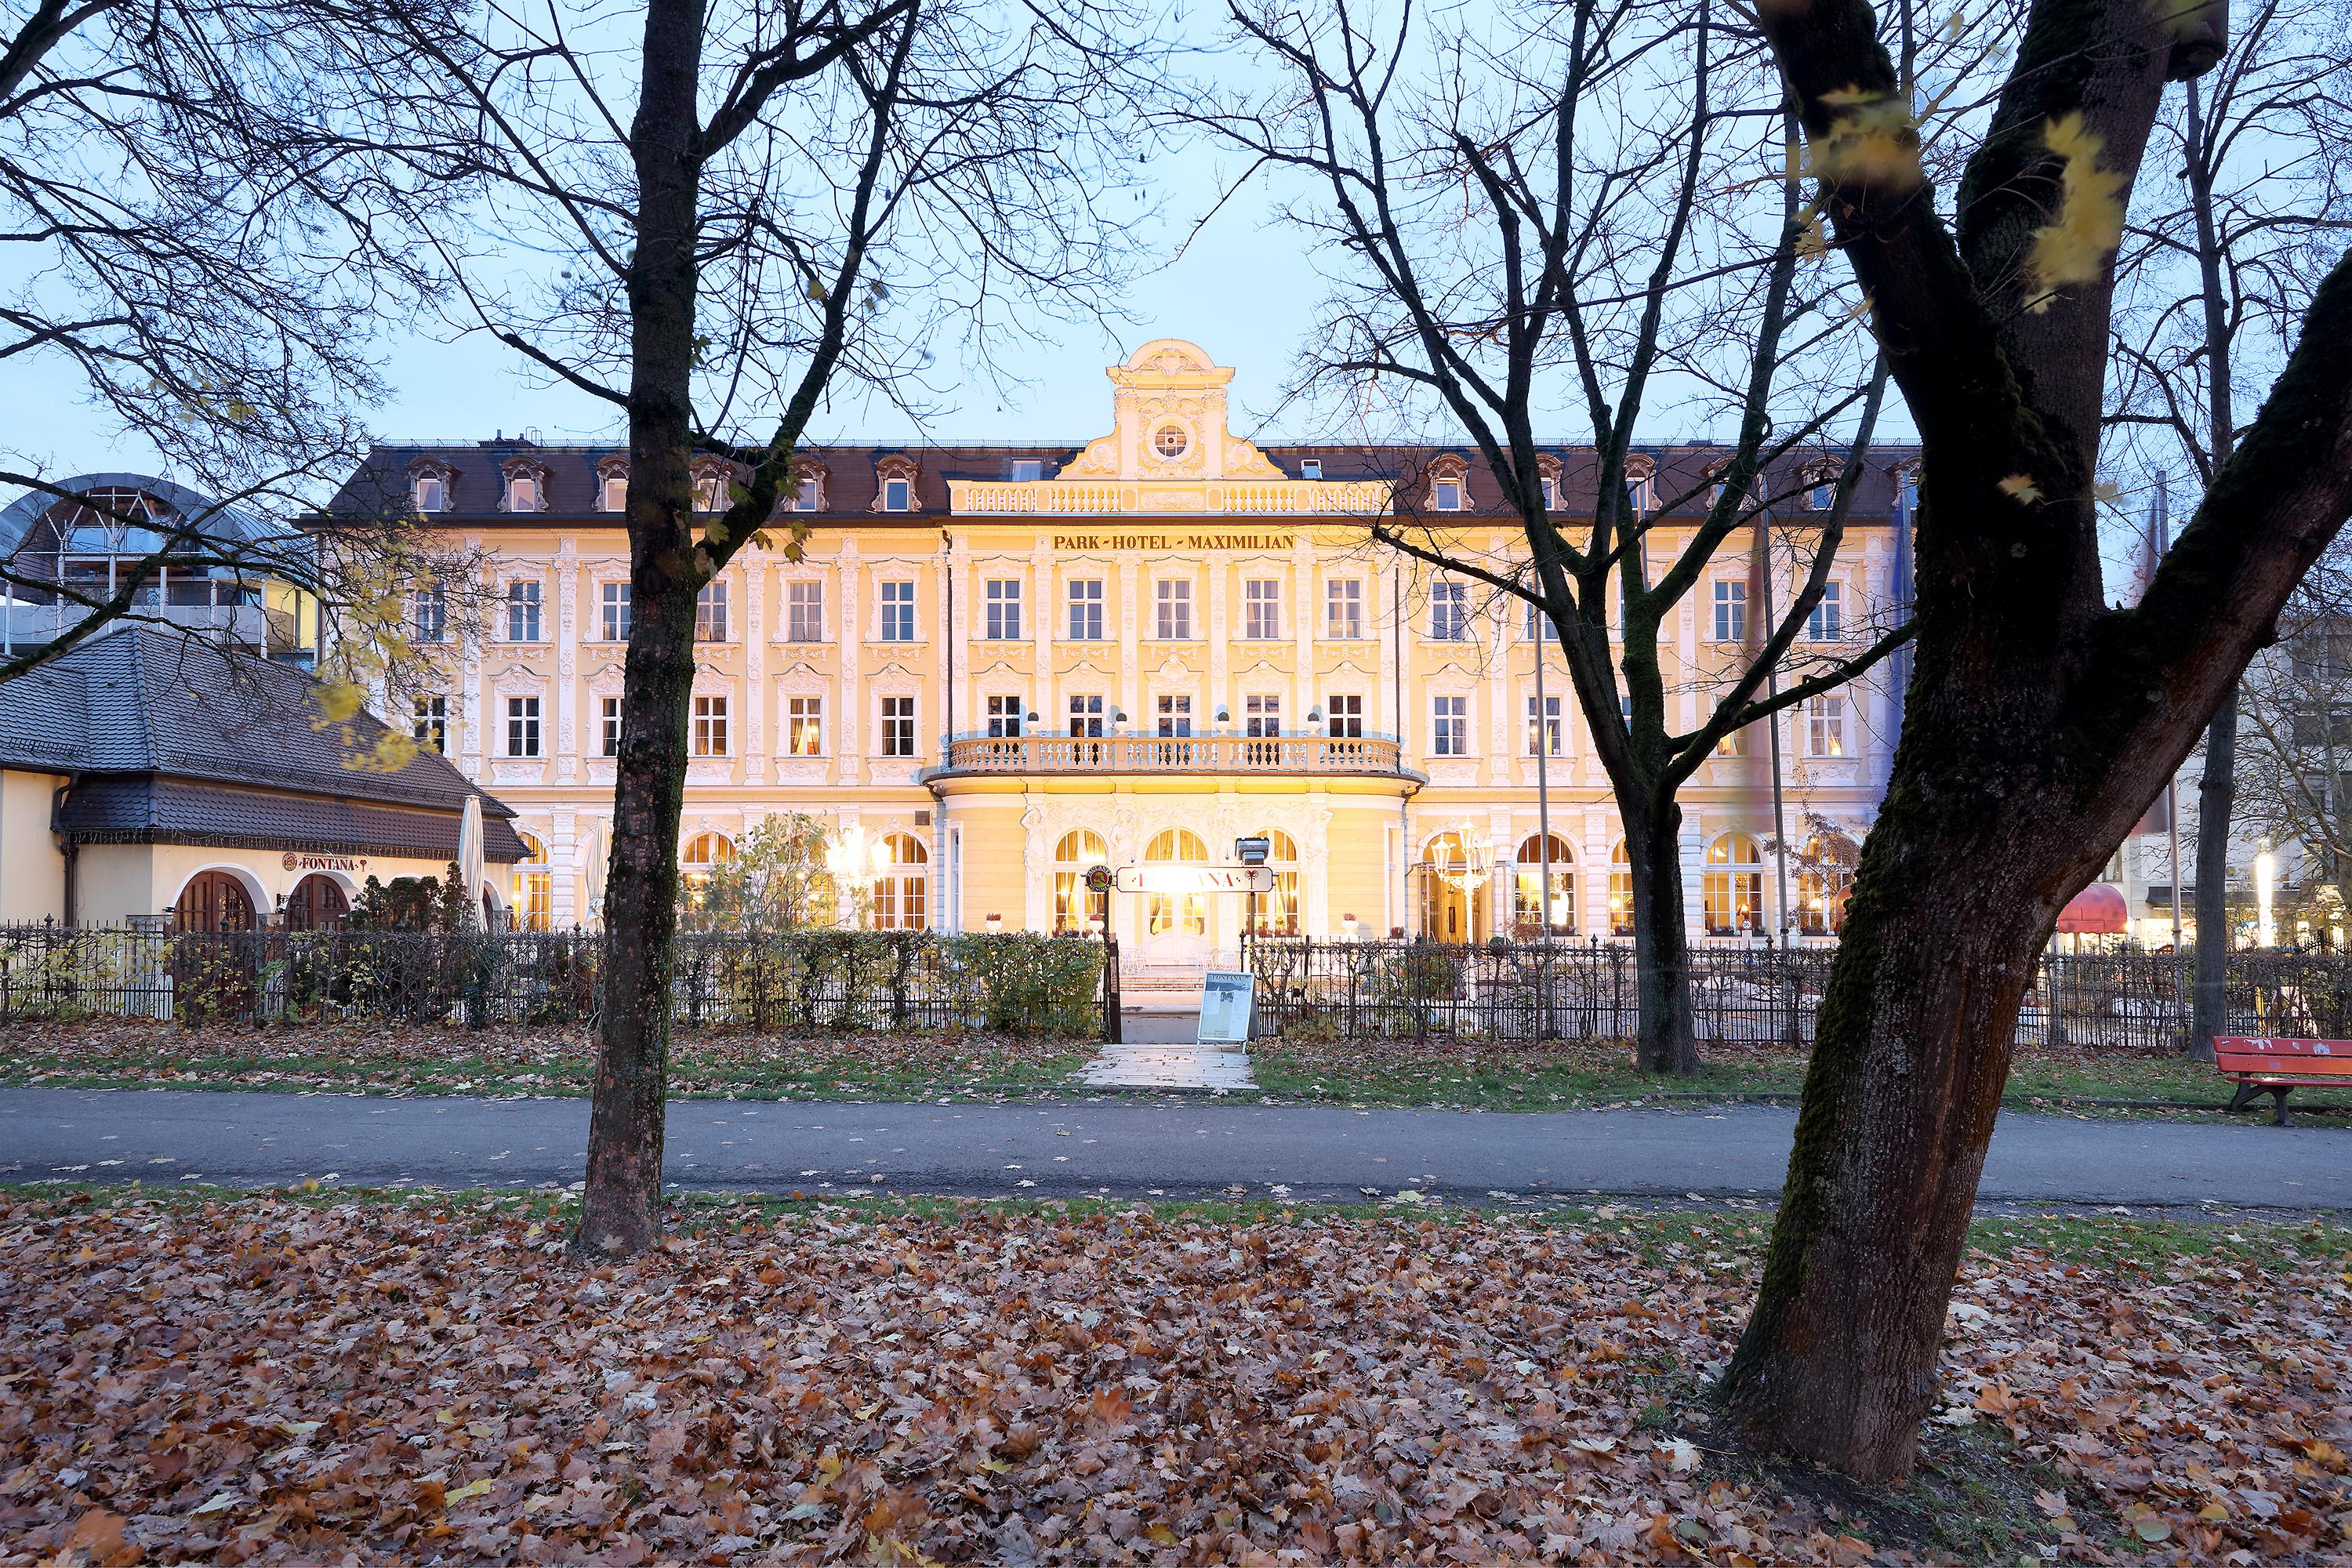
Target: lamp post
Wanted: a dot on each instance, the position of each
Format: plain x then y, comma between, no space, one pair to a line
2266,885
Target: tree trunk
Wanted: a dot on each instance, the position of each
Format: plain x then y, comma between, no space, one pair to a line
1667,1042
620,1211
2217,790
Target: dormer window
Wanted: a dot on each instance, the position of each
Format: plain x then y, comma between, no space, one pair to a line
522,492
1641,484
1310,467
1025,470
896,494
708,493
431,492
1170,442
1448,494
1449,484
1820,483
1550,492
806,496
616,490
894,483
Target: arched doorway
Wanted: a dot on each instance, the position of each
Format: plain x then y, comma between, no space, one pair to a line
213,902
317,903
1533,913
1733,886
1277,912
901,883
1452,890
1076,907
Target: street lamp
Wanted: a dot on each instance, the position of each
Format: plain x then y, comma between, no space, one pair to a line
2266,883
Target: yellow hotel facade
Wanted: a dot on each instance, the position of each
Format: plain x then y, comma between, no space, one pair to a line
997,667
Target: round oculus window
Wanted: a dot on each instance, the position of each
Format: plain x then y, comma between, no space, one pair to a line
1170,441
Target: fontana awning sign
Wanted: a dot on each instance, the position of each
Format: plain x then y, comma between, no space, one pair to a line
1180,879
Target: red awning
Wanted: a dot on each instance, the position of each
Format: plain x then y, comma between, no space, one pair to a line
2098,910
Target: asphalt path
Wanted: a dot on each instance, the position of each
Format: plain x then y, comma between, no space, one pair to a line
1112,1148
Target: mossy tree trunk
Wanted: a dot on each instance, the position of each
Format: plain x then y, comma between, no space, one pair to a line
1667,1041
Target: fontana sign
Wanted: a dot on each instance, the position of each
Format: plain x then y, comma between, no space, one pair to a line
1180,878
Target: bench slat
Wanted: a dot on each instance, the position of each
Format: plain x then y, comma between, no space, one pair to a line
2277,1059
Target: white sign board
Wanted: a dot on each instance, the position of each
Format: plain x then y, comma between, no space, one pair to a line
1228,999
1175,877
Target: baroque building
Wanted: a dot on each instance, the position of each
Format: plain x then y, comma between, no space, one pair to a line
997,667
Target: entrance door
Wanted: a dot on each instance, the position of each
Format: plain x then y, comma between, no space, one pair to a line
317,903
212,976
213,900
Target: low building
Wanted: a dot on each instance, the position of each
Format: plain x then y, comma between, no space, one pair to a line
154,774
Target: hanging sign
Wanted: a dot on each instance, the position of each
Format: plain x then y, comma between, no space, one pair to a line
1175,877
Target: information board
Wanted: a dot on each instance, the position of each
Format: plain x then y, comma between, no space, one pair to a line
1228,1003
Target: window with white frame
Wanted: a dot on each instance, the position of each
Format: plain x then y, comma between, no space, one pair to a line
1545,729
1449,610
805,610
1087,715
1532,624
1261,714
710,492
1025,470
898,726
710,613
1730,610
616,490
902,887
808,493
1310,467
1085,602
1001,604
432,723
1735,744
1261,608
898,611
1449,729
1172,606
898,495
608,726
1347,716
613,604
522,611
805,726
1004,716
710,726
1820,491
1826,623
1641,491
1175,714
1825,725
431,492
1343,609
522,491
428,613
1550,492
522,726
1446,495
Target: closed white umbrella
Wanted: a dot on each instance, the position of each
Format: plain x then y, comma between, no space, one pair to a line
592,857
470,867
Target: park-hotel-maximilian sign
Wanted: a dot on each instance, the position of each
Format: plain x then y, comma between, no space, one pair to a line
995,668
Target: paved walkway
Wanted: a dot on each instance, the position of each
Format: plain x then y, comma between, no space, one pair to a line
1115,1148
1158,1049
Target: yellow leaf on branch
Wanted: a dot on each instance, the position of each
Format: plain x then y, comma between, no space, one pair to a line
2075,249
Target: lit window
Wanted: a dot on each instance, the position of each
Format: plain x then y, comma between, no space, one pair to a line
428,615
522,612
1310,467
1085,609
1173,604
614,604
522,726
1025,470
608,726
1449,611
1549,726
805,726
898,726
1825,883
1732,890
1827,621
1534,912
432,493
1175,715
522,492
1261,715
1730,610
616,490
897,612
1165,912
1449,734
898,495
1826,726
1621,893
704,854
1170,442
432,725
1277,911
805,610
1732,746
1261,608
1448,495
1347,719
710,613
534,886
1343,609
901,890
710,726
1003,609
1087,715
1077,906
1004,716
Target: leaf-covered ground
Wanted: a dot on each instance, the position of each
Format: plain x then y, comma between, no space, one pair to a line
392,1057
270,1379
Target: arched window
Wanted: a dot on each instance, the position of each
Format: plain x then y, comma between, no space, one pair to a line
1530,915
1825,882
1621,892
1733,888
1277,912
1075,907
1642,483
534,887
1173,912
901,883
317,903
704,853
213,900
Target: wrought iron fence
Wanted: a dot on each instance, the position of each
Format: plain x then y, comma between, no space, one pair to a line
1534,991
794,983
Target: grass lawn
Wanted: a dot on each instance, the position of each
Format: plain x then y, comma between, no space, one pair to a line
356,1378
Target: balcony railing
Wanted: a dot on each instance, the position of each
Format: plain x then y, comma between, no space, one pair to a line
1365,754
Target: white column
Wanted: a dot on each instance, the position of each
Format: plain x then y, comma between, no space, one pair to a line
848,733
1042,623
567,650
1303,608
755,700
1130,609
1220,630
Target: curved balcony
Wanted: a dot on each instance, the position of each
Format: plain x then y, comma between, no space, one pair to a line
1304,756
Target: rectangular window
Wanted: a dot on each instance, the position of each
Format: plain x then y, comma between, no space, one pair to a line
616,492
1826,726
1261,608
1827,621
1261,715
522,612
1085,609
808,495
898,726
1004,716
710,613
1172,598
1175,715
608,726
1449,611
710,726
1449,734
1534,626
522,726
805,610
1732,746
1310,467
428,615
1025,470
1347,716
805,726
1550,492
898,495
1730,611
615,602
1343,609
432,728
1547,726
1087,716
1448,494
899,612
1003,596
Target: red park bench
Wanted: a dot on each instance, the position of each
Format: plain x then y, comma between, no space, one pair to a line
2272,1067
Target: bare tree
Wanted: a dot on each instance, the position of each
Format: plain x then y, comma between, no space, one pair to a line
2212,287
2039,723
1532,216
2294,753
744,209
